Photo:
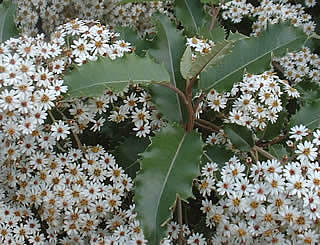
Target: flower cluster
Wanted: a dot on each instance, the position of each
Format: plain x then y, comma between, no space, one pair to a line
253,102
45,15
50,190
301,65
199,46
270,201
269,11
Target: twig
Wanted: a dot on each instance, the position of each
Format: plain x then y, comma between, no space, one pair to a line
209,124
186,102
278,66
51,116
73,133
263,152
180,240
272,142
57,143
178,91
200,98
215,12
205,126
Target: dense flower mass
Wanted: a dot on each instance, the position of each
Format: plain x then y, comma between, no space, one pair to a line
57,188
273,201
269,11
45,15
44,179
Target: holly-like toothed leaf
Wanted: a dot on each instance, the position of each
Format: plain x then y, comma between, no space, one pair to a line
137,1
92,78
167,48
309,91
204,62
215,2
308,115
273,130
216,153
127,153
278,151
253,54
130,35
190,13
234,36
8,26
240,136
217,34
168,166
186,63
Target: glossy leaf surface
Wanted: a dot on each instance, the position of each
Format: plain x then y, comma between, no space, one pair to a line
308,115
168,167
191,15
92,78
241,137
168,48
204,62
253,54
8,27
218,154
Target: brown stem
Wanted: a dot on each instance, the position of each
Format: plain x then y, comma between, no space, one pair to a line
178,91
272,142
209,124
186,101
57,143
75,136
200,98
263,152
180,240
205,127
215,12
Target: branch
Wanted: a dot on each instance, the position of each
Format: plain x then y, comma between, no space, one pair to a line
215,12
186,102
180,240
205,127
263,152
209,124
272,142
73,133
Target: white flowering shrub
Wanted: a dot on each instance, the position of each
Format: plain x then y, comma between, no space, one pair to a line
206,131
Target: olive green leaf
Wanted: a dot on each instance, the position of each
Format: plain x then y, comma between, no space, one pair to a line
168,166
253,54
8,27
240,136
92,78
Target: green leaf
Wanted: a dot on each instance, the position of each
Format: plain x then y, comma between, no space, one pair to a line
204,62
234,36
218,154
240,136
309,91
130,35
278,151
168,166
273,130
8,27
127,153
308,115
190,13
253,54
217,34
168,48
215,2
186,63
92,78
136,1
